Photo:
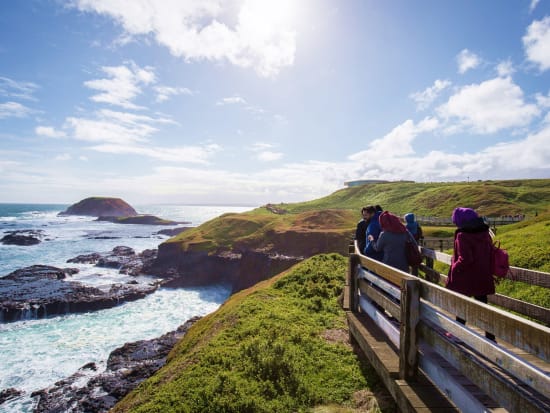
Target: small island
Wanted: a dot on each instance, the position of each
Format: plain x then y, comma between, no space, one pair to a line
101,206
114,210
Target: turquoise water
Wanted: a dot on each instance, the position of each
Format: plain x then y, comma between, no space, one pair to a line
36,353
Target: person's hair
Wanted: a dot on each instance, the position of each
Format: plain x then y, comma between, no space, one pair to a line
370,209
378,208
364,209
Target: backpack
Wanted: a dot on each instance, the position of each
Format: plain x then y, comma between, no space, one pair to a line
499,261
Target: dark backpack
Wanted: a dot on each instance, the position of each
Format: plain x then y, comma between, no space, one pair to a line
499,261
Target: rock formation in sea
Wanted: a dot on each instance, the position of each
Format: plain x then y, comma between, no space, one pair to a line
40,291
23,237
142,219
89,390
101,206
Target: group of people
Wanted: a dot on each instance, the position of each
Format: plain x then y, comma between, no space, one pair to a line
382,236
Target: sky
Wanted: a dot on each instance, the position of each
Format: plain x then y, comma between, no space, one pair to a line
256,101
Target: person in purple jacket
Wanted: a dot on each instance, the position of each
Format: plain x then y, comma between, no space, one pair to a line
471,273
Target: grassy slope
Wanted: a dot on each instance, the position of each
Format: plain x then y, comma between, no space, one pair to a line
490,198
264,350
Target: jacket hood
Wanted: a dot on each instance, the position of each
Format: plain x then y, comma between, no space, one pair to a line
409,218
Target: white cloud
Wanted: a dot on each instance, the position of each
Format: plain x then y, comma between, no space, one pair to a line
537,43
187,154
264,153
114,127
505,68
122,86
543,101
63,157
425,98
19,90
166,92
269,156
14,110
467,60
49,131
398,142
262,36
533,5
233,100
488,107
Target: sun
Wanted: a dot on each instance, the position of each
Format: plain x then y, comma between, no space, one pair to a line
263,18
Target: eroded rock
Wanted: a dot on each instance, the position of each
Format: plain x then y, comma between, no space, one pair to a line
127,366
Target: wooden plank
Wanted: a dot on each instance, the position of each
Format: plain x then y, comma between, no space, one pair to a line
379,298
410,311
390,274
345,302
530,310
540,278
385,286
353,266
436,255
524,334
421,396
536,377
510,393
450,383
391,331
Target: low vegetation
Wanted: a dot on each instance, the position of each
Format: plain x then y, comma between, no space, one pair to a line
280,346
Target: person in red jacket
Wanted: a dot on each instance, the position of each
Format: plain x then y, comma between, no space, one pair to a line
471,273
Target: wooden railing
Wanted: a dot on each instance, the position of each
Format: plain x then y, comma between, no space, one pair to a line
406,326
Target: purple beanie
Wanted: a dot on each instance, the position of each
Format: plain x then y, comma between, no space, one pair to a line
461,216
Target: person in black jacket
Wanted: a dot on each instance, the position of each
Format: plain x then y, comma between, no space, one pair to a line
361,230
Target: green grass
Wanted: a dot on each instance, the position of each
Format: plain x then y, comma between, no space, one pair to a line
489,198
264,350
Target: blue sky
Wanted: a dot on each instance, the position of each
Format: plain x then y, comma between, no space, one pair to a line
255,101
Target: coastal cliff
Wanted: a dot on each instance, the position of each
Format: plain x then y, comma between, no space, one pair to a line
243,249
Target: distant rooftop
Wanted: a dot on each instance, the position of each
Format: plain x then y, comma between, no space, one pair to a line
360,182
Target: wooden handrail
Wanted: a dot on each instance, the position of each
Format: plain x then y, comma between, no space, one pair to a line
414,314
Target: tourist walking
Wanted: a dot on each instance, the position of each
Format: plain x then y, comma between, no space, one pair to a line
471,270
392,240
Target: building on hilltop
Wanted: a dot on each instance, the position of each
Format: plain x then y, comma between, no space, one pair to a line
361,182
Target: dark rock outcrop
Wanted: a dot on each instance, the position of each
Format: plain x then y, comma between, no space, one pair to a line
100,206
141,219
122,258
8,394
23,237
127,366
40,291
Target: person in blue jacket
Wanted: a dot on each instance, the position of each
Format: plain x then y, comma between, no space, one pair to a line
373,232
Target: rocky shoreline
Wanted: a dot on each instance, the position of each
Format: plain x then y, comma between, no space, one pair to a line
92,390
41,291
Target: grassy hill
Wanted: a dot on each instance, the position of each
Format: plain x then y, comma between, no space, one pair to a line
489,198
281,346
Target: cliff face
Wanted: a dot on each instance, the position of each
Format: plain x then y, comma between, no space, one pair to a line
252,256
98,206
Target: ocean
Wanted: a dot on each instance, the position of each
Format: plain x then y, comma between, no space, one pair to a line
34,354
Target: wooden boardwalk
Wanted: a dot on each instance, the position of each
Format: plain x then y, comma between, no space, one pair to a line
406,327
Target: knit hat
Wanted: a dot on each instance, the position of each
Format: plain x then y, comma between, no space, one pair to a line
462,216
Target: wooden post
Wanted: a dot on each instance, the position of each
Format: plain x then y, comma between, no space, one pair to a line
354,261
410,313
